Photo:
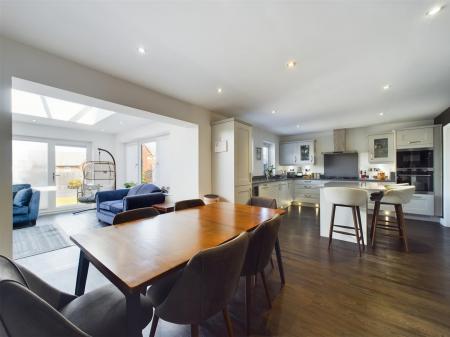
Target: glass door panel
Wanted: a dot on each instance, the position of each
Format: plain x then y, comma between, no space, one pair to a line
68,175
30,166
148,162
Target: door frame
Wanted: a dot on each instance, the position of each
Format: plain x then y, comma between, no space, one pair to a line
51,164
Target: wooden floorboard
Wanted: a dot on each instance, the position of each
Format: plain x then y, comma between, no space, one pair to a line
387,292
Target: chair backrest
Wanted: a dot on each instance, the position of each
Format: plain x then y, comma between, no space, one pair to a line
23,313
346,196
399,195
17,187
135,214
262,202
261,245
28,305
207,284
185,204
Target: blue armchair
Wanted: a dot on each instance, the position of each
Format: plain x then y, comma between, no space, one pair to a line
25,205
110,203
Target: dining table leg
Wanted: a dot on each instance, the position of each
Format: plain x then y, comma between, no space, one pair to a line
134,314
279,261
83,267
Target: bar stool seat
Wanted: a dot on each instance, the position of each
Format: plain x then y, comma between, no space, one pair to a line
347,197
396,196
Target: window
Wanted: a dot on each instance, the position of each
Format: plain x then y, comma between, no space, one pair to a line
148,162
141,162
268,155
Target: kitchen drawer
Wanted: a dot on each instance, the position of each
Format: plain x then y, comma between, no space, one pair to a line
421,204
312,191
307,198
415,138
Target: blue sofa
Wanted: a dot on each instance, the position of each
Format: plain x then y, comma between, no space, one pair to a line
25,205
110,203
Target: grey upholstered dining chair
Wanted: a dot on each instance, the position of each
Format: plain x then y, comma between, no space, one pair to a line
259,252
262,202
29,307
202,288
135,214
269,203
185,204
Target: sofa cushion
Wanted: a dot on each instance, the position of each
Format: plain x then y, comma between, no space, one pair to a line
143,189
114,206
23,197
106,305
20,210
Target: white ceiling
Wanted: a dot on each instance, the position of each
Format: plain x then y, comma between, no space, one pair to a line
345,52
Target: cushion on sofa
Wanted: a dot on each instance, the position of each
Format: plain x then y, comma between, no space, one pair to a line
23,197
20,210
114,206
143,189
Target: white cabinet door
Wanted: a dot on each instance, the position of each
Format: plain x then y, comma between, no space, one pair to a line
289,153
242,157
422,204
242,194
265,191
381,148
415,138
306,149
284,199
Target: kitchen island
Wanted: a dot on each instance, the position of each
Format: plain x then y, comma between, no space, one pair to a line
343,215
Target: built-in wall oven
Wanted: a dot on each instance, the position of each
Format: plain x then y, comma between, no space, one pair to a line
421,178
415,167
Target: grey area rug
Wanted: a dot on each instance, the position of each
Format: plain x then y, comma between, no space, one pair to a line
37,240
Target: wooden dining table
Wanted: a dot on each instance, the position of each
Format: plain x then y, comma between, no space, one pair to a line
135,254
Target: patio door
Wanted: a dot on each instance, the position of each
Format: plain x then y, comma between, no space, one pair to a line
53,168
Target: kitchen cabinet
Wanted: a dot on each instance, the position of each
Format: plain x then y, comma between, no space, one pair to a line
289,153
308,191
231,160
422,204
297,153
306,152
381,148
242,194
415,137
284,196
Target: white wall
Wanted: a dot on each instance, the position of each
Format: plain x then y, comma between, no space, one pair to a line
22,61
177,151
94,138
445,175
259,137
356,140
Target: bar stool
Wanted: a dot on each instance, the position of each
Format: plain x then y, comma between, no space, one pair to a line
347,197
397,196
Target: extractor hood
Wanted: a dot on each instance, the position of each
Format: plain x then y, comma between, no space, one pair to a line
339,141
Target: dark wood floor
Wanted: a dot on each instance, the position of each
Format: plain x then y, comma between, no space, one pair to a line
385,293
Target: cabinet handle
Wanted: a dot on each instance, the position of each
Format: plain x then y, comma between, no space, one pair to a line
414,141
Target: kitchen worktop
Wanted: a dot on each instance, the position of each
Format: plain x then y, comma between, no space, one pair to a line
263,180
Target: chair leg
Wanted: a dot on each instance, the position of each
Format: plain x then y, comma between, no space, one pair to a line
194,330
376,210
333,212
266,289
402,225
358,213
154,325
355,224
248,302
227,319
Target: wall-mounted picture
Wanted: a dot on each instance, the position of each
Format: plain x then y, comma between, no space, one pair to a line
258,153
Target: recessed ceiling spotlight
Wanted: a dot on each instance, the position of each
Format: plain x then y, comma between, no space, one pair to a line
102,130
291,64
34,121
219,90
298,126
386,87
434,10
142,51
121,123
274,112
381,113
